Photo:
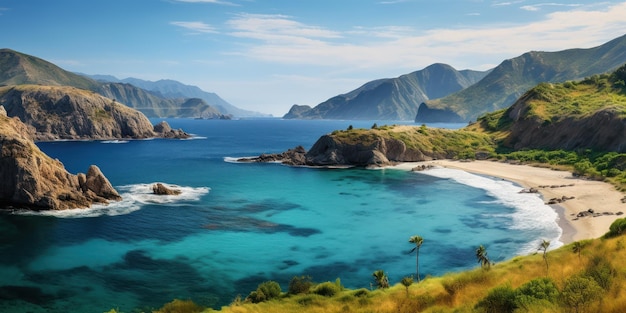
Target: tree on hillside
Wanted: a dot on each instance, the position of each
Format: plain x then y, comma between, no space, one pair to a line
544,247
577,247
382,281
481,255
407,282
417,240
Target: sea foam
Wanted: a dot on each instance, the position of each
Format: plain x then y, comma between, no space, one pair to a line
134,197
530,212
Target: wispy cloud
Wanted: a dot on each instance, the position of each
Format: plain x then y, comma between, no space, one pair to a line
507,3
196,27
537,7
277,29
209,1
282,39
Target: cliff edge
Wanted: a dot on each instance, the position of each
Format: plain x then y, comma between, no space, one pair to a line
32,180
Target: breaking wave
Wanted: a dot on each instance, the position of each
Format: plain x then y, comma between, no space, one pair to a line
134,197
530,212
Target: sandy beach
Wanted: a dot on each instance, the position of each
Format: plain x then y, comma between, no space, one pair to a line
582,194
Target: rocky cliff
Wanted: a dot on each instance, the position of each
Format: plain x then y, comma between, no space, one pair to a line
55,112
32,180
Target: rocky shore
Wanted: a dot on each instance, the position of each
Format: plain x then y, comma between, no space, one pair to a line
32,180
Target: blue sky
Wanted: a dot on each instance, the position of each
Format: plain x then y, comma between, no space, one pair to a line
266,55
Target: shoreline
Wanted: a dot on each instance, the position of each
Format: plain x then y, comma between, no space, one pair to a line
601,197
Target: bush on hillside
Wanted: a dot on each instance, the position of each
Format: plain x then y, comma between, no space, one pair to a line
265,291
300,284
616,228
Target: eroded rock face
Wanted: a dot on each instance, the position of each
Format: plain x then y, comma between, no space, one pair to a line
30,179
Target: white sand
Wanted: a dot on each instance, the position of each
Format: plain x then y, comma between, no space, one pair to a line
599,196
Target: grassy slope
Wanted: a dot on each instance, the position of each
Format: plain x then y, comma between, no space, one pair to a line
461,292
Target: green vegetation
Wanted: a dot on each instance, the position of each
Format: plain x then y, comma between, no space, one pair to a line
417,241
590,280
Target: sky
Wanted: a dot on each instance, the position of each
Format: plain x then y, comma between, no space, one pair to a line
267,55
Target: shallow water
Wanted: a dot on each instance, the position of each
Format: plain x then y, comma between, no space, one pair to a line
237,225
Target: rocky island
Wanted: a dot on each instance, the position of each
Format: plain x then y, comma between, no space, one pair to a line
33,180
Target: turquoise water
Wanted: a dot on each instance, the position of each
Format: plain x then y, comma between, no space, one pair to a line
237,225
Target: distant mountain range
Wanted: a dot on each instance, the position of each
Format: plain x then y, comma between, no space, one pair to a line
165,98
439,93
509,80
392,98
172,89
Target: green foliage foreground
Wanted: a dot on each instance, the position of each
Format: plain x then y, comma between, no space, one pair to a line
591,282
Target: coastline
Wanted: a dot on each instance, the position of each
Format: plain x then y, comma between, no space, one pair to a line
599,196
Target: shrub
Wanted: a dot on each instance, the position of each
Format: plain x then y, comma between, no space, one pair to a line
299,284
499,300
616,228
180,306
536,291
579,292
361,292
327,289
265,291
601,271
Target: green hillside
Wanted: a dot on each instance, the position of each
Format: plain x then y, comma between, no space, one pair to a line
18,69
513,77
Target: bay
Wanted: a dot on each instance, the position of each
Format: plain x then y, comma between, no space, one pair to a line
237,225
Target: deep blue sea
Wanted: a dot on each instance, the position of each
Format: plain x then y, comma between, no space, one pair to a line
237,225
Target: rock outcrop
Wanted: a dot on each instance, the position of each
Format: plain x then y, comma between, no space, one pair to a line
30,179
161,190
164,130
56,112
330,151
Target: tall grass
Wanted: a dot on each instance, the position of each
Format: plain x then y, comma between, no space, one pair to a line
523,280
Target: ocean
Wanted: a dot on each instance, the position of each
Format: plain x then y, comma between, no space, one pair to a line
238,224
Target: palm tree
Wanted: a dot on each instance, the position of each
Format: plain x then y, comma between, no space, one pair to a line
382,281
481,255
407,282
417,240
544,247
577,247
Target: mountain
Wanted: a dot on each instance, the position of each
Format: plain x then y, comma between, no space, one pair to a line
393,98
171,89
513,77
153,105
18,68
573,116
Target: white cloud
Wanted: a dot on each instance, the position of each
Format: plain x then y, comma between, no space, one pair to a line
197,27
281,39
277,28
537,7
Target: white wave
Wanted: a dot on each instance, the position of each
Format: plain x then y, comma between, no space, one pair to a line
142,193
126,206
134,197
530,214
194,137
114,141
236,159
